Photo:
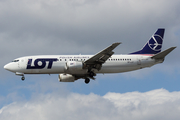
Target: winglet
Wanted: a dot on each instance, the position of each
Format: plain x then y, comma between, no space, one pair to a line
114,45
163,54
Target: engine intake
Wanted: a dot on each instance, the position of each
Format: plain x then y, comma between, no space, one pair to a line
66,78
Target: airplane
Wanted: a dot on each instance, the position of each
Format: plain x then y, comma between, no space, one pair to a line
73,67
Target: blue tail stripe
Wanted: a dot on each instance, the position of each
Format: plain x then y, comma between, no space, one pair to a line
154,45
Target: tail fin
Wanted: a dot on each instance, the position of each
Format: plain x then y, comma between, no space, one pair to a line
154,45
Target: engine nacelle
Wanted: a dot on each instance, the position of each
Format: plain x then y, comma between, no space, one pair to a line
74,65
66,78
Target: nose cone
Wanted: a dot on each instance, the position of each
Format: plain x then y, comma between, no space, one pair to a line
7,67
10,67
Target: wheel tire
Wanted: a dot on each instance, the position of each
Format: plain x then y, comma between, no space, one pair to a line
23,78
87,80
91,74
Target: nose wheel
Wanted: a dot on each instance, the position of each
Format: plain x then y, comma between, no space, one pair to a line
22,78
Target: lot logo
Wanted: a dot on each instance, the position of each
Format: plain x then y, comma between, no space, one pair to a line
155,43
41,63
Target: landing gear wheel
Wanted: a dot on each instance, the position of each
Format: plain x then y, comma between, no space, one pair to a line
87,80
23,78
91,74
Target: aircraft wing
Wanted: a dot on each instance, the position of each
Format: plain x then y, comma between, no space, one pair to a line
98,59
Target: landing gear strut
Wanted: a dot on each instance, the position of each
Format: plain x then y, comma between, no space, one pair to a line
23,78
87,80
21,74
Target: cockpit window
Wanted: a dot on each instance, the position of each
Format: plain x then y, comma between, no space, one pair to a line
15,60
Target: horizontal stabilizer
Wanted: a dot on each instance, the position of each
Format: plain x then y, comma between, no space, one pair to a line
161,55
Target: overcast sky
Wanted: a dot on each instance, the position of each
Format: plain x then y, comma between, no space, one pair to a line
40,27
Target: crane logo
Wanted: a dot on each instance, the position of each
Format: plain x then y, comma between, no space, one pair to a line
155,43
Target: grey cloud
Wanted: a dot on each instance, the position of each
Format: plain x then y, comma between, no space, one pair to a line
84,22
155,104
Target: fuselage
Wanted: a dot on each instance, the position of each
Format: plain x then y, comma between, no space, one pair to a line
56,64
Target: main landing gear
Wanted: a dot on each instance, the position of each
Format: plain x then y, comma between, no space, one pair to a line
90,75
87,80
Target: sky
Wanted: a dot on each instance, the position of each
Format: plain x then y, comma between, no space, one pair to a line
60,27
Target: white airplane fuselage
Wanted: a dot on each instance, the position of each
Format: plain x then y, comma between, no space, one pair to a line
115,64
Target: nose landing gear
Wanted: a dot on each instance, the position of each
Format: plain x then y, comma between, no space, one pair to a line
22,78
21,74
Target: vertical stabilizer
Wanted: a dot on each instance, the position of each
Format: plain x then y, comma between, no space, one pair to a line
154,45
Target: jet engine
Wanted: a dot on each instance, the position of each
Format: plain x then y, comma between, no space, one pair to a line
66,78
74,65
